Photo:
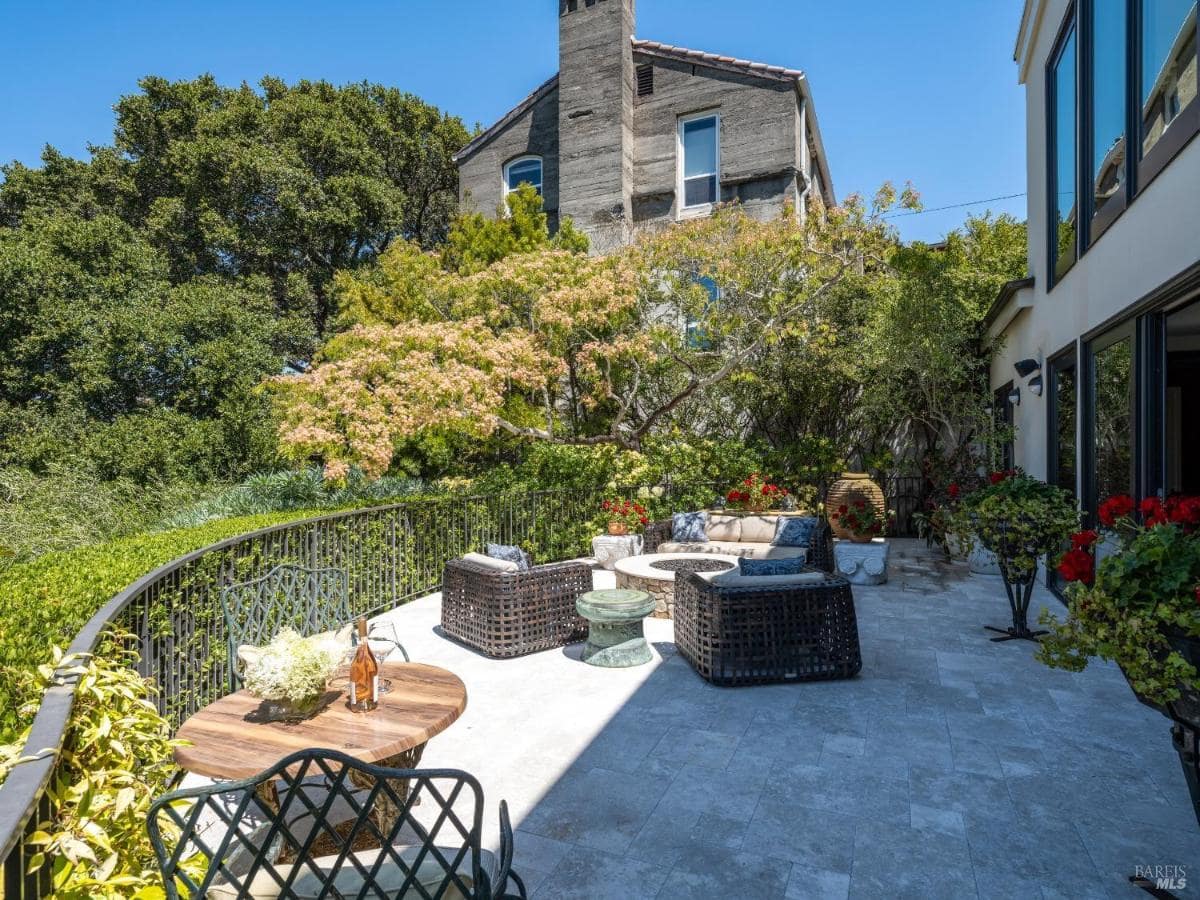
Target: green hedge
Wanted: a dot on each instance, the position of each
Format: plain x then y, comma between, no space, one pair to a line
45,602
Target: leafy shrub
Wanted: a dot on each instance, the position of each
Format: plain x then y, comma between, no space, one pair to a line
116,758
69,508
45,602
270,492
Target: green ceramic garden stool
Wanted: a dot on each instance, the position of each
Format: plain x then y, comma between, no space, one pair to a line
616,639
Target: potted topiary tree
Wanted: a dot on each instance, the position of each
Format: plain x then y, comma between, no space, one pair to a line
1020,519
1140,607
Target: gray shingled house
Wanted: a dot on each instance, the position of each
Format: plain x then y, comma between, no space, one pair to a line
632,134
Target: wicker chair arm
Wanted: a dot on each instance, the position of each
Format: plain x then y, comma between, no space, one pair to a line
657,533
820,551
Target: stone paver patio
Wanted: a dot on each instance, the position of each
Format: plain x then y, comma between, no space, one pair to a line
952,767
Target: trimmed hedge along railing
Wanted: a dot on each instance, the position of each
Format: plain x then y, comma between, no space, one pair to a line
391,554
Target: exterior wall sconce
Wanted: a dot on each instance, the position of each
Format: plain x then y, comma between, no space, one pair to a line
1014,396
1035,386
1027,367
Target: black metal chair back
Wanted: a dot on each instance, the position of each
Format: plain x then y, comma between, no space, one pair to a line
307,600
323,824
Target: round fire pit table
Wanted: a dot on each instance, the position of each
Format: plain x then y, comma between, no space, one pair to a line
655,574
616,638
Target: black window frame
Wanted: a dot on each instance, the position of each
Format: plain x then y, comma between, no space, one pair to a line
1130,331
1140,170
1183,128
1068,28
1064,359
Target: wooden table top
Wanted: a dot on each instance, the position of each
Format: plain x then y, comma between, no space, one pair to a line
227,743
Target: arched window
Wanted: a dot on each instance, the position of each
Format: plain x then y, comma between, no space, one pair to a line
524,170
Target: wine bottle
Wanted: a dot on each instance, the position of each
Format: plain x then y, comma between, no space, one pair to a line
364,674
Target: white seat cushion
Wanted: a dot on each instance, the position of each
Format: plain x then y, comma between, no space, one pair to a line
500,565
349,881
758,529
724,528
736,548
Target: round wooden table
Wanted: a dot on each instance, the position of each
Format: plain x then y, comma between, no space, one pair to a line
229,739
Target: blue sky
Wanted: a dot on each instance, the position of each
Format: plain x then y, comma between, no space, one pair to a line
923,91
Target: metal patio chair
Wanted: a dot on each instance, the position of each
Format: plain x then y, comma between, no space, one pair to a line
320,823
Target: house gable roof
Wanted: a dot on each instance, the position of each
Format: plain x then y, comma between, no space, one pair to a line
679,54
509,117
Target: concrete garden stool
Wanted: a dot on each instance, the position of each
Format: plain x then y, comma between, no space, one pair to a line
616,638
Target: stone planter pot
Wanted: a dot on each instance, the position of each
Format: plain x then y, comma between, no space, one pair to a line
1185,713
981,560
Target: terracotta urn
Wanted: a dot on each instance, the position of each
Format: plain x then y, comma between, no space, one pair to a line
618,528
850,487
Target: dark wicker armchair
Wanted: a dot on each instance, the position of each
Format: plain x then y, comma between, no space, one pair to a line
506,614
771,632
820,551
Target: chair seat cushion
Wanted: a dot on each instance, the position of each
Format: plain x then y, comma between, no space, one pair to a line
500,565
349,881
732,579
735,548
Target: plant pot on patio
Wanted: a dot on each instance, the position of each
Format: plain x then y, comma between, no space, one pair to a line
1020,519
1140,607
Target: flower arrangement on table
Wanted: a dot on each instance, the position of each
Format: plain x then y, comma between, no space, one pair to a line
1020,519
756,494
625,516
862,519
1140,607
293,672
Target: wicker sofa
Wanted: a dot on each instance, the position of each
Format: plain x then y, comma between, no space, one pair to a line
736,630
505,613
744,536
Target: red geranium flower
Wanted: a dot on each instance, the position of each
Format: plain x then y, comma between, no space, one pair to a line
1115,508
996,477
843,509
954,490
1077,565
1084,539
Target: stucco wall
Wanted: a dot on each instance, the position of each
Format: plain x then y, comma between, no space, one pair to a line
1153,240
481,177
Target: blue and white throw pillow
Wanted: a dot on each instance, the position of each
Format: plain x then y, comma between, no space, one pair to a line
688,527
770,566
794,531
509,554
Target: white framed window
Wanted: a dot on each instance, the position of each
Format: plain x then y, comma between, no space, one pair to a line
523,170
699,162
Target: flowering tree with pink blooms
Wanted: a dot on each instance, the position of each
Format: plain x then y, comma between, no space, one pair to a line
554,345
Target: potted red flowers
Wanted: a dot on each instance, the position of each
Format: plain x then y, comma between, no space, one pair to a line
625,516
860,519
756,494
1139,606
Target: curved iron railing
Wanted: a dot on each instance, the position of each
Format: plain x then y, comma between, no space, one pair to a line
391,554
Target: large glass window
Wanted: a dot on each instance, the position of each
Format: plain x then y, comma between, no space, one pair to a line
1167,58
527,170
1181,424
1108,106
1112,420
1063,421
699,143
1062,157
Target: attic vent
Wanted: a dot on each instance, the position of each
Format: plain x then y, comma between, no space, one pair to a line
645,81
